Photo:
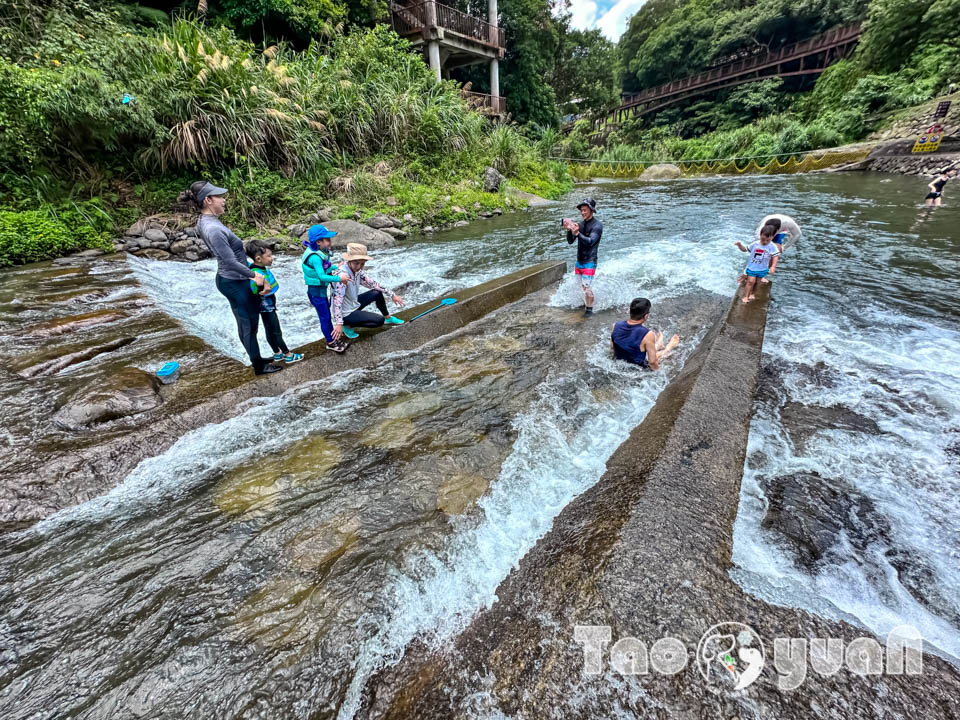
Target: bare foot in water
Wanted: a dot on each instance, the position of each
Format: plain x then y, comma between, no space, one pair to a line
764,281
753,297
746,299
674,341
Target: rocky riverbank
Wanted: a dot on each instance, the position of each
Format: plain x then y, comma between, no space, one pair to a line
173,235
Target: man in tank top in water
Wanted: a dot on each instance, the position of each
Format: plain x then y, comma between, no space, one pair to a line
634,343
935,196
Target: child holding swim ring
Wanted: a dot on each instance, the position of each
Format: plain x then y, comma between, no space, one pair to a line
262,256
763,261
319,273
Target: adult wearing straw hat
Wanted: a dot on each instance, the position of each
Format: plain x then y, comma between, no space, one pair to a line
349,302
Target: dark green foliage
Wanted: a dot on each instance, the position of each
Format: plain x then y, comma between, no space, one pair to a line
586,70
34,235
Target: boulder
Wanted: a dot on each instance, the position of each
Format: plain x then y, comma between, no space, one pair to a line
380,221
160,245
486,214
91,253
396,232
664,171
180,247
460,223
153,253
321,216
391,201
127,392
297,230
397,222
191,231
119,247
408,218
457,210
137,229
154,235
191,255
498,211
492,179
349,231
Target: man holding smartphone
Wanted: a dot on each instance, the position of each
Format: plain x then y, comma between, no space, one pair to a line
587,234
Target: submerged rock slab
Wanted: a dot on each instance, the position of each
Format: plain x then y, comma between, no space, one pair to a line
646,553
95,468
127,392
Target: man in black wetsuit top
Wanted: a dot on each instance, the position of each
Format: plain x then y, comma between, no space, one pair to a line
587,233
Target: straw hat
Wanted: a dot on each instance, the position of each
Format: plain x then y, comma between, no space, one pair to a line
356,251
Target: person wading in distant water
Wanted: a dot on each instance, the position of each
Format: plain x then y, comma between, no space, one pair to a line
935,196
587,235
233,274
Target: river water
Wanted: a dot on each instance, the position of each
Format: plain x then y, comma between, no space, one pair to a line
267,565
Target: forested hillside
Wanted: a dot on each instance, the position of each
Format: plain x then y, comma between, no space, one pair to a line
108,110
909,53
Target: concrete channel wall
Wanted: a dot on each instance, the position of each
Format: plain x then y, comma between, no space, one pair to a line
71,476
646,552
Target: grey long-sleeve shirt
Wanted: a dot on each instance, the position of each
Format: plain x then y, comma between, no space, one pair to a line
226,248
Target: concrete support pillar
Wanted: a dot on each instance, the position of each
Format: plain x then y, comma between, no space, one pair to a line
433,50
495,80
492,12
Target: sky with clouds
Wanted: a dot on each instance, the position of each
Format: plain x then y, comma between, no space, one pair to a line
611,16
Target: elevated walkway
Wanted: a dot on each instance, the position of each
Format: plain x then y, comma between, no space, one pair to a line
808,57
454,39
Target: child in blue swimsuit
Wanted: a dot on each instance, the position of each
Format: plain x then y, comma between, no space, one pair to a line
262,256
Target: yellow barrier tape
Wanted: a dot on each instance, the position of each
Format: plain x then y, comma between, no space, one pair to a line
807,162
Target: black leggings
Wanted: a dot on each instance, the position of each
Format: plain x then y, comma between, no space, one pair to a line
246,310
271,323
358,318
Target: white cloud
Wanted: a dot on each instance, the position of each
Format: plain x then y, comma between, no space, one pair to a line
613,22
583,14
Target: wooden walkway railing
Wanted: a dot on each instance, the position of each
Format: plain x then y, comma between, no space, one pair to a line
824,49
412,19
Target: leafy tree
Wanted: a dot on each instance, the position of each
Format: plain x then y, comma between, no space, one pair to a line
585,72
893,30
533,36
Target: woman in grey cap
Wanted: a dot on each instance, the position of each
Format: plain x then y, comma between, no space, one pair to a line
233,273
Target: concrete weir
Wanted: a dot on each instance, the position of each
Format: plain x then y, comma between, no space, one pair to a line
42,482
646,552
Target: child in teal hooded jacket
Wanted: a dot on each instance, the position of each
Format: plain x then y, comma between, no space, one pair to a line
319,273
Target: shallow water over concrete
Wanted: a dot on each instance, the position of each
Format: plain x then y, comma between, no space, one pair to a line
268,565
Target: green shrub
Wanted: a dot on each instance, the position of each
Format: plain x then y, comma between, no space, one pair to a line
35,235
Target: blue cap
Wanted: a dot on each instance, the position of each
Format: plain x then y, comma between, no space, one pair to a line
319,232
